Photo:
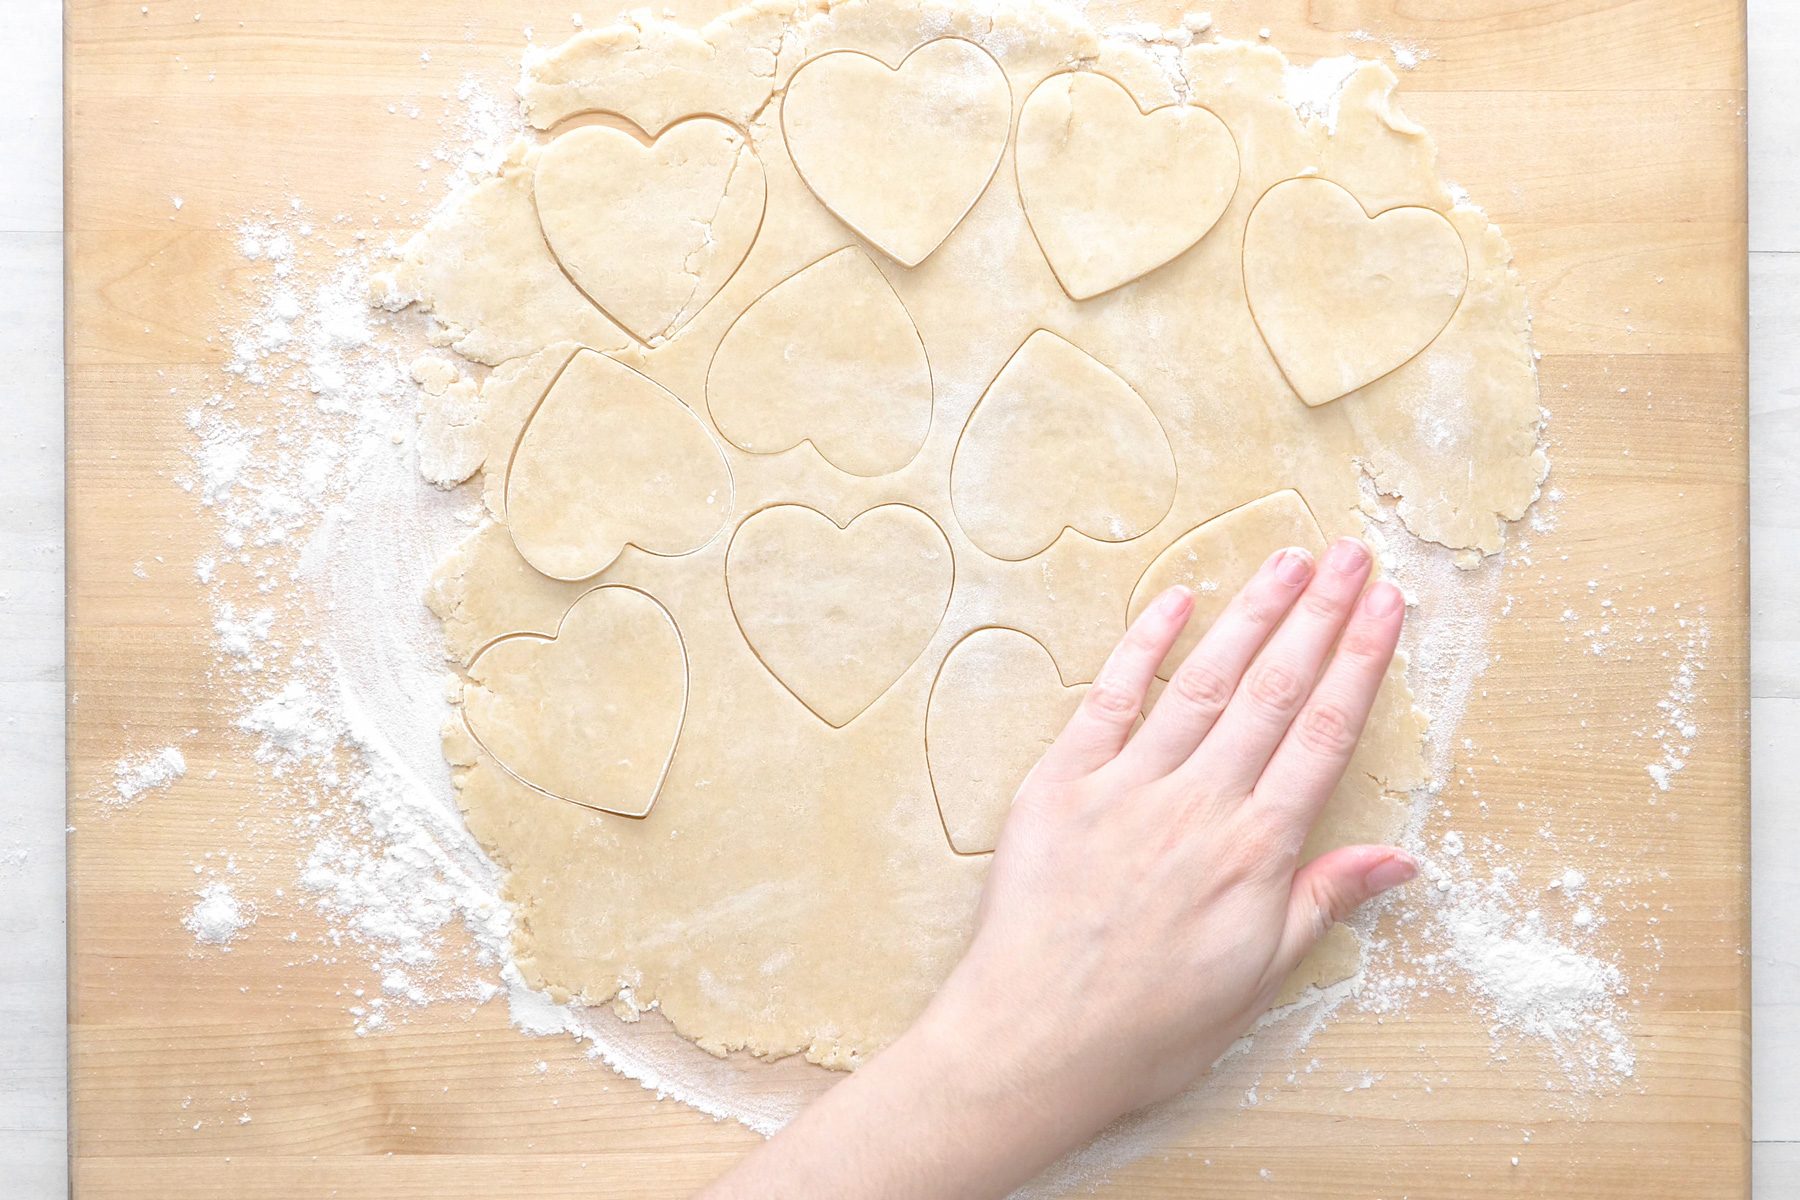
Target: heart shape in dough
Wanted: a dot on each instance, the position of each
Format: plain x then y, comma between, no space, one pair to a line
829,356
900,154
590,715
610,459
1217,557
837,615
996,705
1058,441
1341,297
650,232
1112,191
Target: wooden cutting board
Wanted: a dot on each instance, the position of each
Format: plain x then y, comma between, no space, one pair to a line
1605,136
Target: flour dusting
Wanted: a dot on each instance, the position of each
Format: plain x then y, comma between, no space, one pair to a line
307,458
136,774
217,916
1316,89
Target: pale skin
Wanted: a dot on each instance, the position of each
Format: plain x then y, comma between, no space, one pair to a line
1145,902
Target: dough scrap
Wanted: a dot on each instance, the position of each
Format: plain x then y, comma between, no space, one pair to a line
611,459
830,357
838,614
1113,191
482,269
1059,442
1343,297
650,233
995,707
899,153
1217,558
591,714
794,889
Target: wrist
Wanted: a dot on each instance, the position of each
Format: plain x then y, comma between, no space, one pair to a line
981,1118
1012,1071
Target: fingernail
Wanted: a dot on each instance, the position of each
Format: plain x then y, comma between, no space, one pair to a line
1347,556
1383,600
1293,566
1391,872
1173,601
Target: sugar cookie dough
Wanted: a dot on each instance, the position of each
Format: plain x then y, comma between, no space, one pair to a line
901,382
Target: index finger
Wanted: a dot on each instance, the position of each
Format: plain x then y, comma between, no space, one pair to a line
1097,732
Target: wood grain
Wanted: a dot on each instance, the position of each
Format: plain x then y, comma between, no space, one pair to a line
1606,136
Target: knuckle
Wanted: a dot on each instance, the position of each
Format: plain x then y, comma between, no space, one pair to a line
1201,686
1363,643
1327,728
1255,849
1110,699
1329,904
1276,687
1321,606
1141,640
1260,609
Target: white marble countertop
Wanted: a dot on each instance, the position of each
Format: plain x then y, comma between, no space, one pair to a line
32,1013
1775,592
33,1109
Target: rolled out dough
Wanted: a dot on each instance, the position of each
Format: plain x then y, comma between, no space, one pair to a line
899,153
650,232
591,714
995,707
856,388
1112,192
916,565
608,459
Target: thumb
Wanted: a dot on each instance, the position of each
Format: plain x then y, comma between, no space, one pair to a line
1332,886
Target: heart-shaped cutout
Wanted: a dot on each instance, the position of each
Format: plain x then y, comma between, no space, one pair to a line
590,715
650,232
837,615
1112,191
1213,560
831,357
609,459
1343,298
996,705
900,154
1058,441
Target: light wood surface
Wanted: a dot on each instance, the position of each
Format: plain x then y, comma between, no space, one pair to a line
1607,138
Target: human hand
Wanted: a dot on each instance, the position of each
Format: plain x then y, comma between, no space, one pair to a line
1145,902
1147,899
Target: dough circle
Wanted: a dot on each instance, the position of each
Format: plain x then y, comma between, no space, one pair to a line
835,574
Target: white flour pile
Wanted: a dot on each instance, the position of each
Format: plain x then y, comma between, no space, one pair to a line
1526,955
217,917
151,771
331,669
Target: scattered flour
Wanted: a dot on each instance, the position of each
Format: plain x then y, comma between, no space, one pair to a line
1316,89
291,724
136,774
1674,734
1407,55
217,917
1528,969
239,636
307,458
1538,975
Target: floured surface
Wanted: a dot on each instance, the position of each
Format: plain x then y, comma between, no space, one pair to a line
798,883
248,542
